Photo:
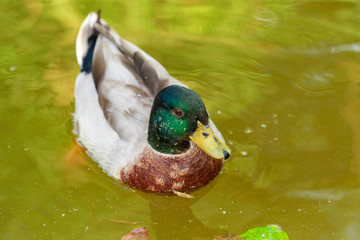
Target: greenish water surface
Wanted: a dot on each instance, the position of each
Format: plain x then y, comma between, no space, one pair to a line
281,79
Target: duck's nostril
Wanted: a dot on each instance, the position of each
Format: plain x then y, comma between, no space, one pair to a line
226,154
205,134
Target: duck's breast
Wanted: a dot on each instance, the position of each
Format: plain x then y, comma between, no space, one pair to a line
165,173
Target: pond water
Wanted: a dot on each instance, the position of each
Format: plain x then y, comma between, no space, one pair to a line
281,79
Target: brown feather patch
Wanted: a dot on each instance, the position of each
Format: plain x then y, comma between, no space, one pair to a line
164,173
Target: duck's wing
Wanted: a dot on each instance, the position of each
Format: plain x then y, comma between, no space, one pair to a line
114,94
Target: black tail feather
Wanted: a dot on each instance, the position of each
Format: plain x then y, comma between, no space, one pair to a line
87,60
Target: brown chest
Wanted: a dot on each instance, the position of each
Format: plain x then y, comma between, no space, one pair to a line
163,173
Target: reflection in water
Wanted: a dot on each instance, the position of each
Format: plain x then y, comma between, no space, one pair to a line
173,218
179,222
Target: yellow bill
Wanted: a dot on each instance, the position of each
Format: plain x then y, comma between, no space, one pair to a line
205,138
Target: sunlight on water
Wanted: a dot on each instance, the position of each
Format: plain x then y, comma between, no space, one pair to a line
280,80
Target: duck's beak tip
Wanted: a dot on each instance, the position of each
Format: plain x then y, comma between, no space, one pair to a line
226,154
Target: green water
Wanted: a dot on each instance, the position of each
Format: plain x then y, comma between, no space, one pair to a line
281,79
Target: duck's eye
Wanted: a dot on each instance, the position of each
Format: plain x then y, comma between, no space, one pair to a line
178,112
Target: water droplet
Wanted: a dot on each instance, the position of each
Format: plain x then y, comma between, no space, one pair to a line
223,212
219,112
44,224
244,153
248,130
263,125
63,215
25,149
12,68
86,228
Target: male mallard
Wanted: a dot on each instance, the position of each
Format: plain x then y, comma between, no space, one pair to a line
141,125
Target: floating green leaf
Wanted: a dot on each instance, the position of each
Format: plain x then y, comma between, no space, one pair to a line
270,232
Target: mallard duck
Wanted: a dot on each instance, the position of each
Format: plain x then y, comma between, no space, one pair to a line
142,126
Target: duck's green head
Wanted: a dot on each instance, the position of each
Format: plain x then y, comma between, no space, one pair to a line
178,116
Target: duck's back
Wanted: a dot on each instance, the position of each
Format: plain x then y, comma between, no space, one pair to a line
113,98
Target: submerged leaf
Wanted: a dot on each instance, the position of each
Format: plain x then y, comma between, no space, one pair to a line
137,234
181,194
